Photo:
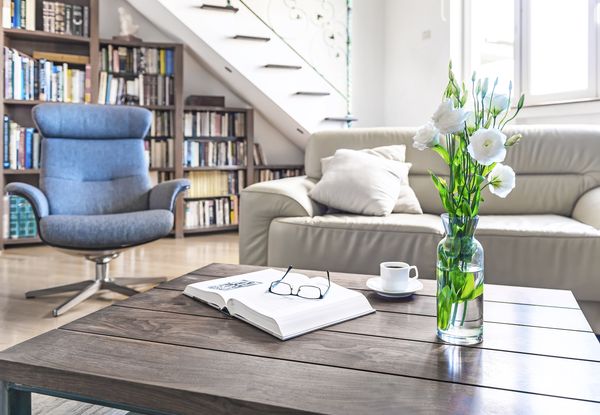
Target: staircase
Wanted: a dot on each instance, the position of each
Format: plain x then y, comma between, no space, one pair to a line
257,64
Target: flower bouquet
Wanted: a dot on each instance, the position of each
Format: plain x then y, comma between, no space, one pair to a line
472,144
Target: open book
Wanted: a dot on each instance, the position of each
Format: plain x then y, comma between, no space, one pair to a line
247,297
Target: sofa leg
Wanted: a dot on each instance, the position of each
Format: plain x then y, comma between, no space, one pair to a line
121,289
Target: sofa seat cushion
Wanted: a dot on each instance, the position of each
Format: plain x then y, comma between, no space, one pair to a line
105,231
534,225
547,251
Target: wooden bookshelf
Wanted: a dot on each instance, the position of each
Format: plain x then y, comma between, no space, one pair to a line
28,41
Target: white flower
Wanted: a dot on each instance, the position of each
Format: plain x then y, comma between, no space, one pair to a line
487,146
427,136
499,103
502,180
470,119
447,119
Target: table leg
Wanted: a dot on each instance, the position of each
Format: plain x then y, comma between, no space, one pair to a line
14,401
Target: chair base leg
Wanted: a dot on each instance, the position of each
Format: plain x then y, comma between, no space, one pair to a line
78,286
89,288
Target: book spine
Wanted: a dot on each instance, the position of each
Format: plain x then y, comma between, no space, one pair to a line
6,143
88,84
17,14
86,21
28,148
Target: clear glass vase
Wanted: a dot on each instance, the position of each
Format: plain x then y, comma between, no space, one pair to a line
460,282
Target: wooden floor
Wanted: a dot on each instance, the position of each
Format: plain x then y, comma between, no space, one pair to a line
28,268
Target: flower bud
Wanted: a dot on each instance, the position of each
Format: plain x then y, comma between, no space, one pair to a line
513,140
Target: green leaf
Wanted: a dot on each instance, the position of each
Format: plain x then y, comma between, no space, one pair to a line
468,287
442,152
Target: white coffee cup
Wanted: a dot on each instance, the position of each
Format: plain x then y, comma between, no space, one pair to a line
395,276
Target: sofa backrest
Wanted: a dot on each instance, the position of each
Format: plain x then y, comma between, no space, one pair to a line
555,165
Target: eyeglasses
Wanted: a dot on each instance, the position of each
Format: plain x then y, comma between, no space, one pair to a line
311,292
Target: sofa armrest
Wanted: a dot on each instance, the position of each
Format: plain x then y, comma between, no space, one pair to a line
587,208
163,195
263,202
35,196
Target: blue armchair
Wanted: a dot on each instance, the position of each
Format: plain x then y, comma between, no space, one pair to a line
95,198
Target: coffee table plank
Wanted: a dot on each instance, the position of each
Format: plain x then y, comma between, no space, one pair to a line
120,370
500,293
566,378
534,340
526,315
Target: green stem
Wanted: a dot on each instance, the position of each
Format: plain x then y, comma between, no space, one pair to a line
454,312
462,321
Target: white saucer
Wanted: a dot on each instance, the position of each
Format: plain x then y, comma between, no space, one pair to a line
414,285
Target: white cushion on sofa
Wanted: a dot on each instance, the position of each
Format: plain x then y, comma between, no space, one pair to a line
361,183
407,200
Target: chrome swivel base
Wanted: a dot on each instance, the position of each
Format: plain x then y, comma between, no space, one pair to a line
88,288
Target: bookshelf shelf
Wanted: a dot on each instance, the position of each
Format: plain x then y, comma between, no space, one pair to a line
214,168
21,171
22,241
210,229
30,102
38,35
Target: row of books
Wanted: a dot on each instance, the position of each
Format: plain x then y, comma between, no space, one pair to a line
216,183
211,212
27,78
214,124
160,153
148,61
57,17
162,124
18,218
214,153
21,146
264,175
143,90
259,155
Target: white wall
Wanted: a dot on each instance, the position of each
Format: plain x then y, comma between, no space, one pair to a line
417,51
368,62
199,81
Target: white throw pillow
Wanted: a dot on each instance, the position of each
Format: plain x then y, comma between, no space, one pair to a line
360,183
407,199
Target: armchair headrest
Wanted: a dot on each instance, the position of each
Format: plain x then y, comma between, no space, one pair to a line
91,121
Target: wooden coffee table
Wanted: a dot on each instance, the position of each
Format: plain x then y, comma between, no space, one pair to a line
162,353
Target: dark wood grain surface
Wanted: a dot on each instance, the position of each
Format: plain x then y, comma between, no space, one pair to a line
164,351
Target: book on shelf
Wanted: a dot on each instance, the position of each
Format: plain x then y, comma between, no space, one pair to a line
211,212
141,90
21,146
265,175
157,177
214,124
162,124
259,155
18,218
57,17
214,153
247,298
27,78
123,60
216,183
160,152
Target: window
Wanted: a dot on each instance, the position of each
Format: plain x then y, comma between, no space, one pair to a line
547,47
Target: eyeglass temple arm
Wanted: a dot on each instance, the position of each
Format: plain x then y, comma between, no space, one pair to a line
286,273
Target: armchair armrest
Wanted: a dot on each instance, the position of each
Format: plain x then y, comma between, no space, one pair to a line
35,196
163,195
587,208
263,202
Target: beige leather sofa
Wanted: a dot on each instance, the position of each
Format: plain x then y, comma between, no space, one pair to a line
546,233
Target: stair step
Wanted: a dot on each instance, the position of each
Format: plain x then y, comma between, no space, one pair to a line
257,38
278,66
219,8
313,93
348,118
